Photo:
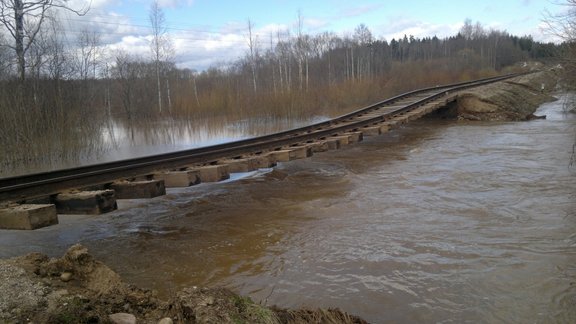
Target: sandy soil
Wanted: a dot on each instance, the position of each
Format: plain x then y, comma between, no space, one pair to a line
79,289
515,100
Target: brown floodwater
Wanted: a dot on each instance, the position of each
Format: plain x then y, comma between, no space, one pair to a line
439,221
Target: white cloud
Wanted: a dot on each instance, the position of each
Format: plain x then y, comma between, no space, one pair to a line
87,4
313,24
198,49
419,29
174,3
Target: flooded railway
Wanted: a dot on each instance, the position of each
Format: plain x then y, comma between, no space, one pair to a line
439,221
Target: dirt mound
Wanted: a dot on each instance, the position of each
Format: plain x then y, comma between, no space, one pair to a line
79,289
516,99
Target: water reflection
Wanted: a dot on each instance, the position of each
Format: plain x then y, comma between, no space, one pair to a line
436,222
171,135
119,140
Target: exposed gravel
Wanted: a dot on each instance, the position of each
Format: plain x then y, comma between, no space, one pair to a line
19,292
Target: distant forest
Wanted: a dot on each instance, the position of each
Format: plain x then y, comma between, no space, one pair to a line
68,94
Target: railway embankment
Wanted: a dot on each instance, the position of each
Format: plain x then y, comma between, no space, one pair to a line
512,100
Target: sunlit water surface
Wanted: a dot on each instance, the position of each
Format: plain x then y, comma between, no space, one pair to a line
440,221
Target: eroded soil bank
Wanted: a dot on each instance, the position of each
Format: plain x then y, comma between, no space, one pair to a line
79,289
513,100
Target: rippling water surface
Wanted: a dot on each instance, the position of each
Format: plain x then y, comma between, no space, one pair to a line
437,222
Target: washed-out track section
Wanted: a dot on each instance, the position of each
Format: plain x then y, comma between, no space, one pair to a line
33,201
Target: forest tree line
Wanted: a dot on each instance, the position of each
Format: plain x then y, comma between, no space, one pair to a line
296,65
69,90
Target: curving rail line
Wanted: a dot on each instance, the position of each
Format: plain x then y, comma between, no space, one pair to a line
29,186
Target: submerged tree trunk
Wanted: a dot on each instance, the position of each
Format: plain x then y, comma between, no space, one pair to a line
19,38
168,95
158,87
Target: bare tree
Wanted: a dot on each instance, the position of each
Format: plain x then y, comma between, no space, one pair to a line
253,48
301,49
24,19
5,58
125,76
363,38
284,56
563,26
160,45
88,54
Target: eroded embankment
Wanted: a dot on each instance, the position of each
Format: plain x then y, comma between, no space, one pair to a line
79,289
513,100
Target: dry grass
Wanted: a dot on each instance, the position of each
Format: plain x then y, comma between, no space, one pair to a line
54,122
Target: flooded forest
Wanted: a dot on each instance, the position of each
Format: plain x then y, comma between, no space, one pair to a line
440,220
67,102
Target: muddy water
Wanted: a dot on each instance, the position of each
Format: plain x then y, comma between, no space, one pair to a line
437,222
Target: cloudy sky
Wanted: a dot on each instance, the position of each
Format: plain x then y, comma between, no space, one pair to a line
205,32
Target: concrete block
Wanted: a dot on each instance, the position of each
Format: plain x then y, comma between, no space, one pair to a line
411,116
348,138
342,140
402,119
86,202
250,163
371,131
355,137
333,143
240,165
28,216
393,124
300,152
138,189
320,146
384,129
264,161
214,173
280,156
178,179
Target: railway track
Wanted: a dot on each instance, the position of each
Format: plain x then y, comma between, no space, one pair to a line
26,187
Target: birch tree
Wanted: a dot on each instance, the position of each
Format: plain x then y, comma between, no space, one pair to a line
253,48
161,47
24,19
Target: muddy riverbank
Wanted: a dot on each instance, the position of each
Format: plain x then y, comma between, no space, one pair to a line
76,288
512,100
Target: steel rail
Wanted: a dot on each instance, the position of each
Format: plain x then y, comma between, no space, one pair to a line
11,187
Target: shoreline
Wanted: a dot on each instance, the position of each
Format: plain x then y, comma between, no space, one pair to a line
77,288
